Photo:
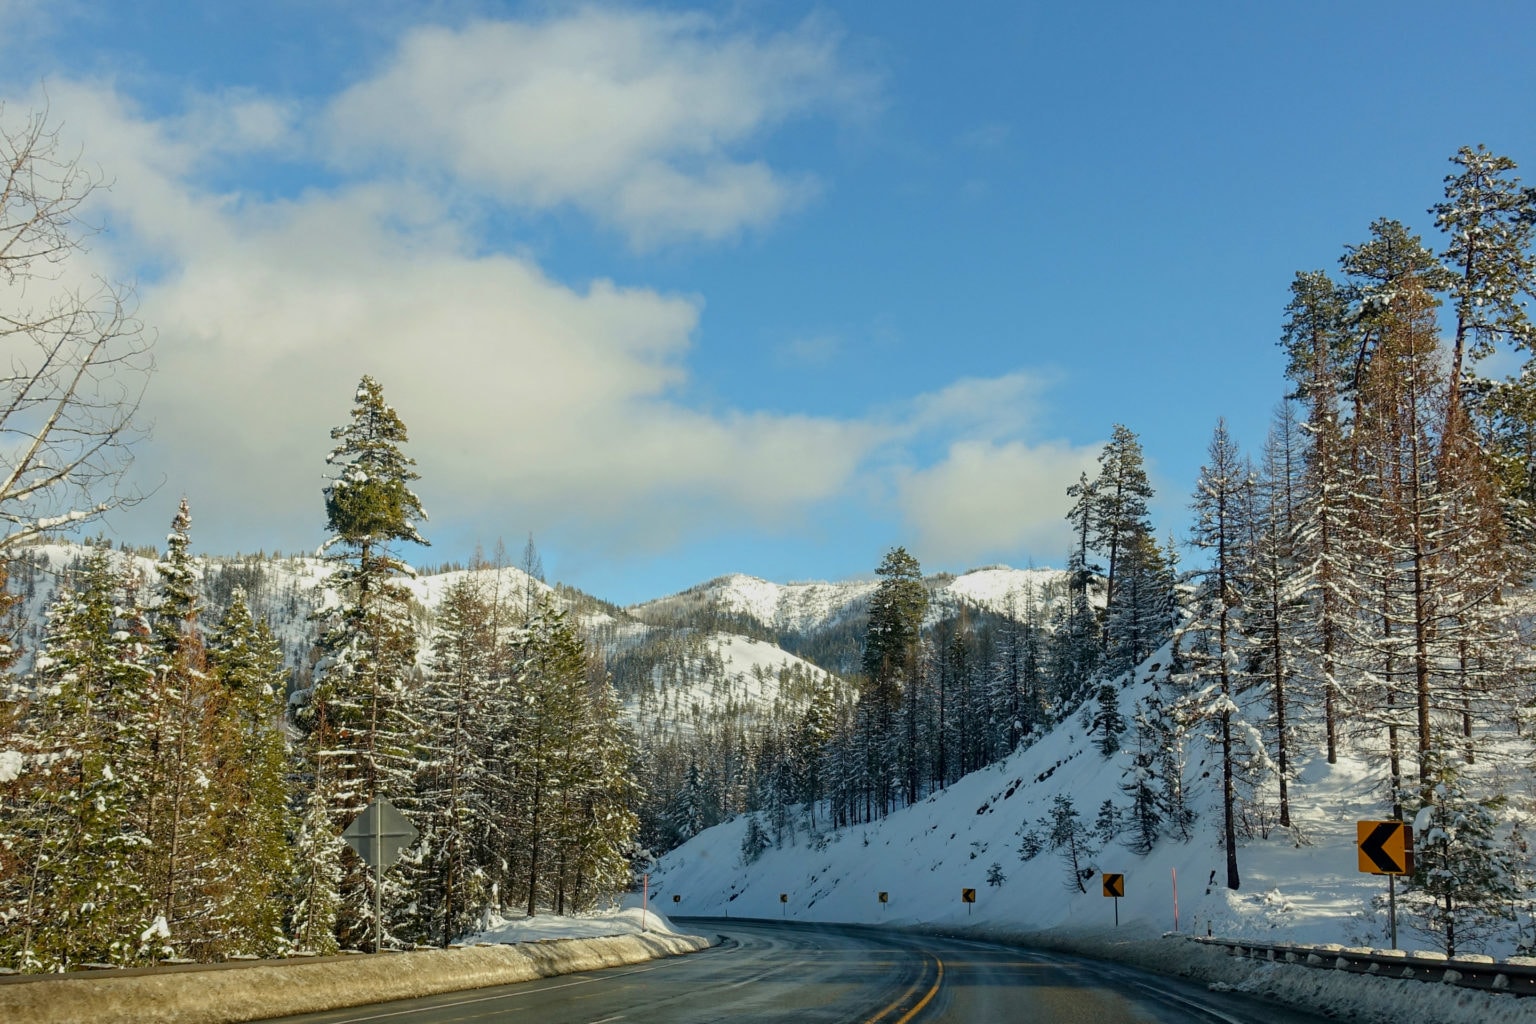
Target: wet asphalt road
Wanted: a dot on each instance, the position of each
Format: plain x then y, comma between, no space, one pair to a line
763,971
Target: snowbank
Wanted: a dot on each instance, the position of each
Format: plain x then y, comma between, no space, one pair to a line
295,986
1358,998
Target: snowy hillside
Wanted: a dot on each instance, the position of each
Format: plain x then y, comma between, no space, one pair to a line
1298,885
714,676
689,675
798,608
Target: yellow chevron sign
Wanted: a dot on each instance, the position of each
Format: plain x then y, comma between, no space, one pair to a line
1384,847
1114,885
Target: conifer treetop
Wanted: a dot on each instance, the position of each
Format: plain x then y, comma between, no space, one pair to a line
368,501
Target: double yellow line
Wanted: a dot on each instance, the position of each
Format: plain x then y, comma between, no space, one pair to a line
927,997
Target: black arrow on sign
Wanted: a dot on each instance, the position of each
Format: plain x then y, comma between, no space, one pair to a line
1373,847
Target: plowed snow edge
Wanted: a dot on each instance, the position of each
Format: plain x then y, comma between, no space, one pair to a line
293,987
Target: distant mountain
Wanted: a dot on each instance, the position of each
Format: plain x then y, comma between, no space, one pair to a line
805,608
725,648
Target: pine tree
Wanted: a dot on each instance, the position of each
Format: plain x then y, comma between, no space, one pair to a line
548,754
81,895
754,841
450,802
359,712
189,745
1108,722
891,666
255,822
1069,837
1318,343
1466,875
1218,531
1490,221
1119,518
1273,586
1144,817
1142,618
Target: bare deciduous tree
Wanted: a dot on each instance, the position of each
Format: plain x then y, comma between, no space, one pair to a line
75,358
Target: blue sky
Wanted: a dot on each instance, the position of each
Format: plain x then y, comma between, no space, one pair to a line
759,287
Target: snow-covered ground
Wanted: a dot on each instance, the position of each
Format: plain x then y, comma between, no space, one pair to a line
1299,885
600,924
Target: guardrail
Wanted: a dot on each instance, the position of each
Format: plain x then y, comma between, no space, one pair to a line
1480,972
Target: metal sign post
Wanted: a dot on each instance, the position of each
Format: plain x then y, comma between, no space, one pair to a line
378,835
1114,886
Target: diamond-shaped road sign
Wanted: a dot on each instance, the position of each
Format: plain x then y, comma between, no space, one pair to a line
380,833
1384,847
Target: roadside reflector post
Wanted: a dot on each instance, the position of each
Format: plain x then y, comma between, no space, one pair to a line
645,900
1175,899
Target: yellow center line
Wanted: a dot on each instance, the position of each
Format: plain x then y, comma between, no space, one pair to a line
904,996
931,993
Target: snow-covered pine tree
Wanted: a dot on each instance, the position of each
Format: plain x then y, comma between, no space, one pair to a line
359,716
1490,223
1274,584
1467,873
892,648
246,663
606,827
1069,837
1143,819
1076,647
1318,343
1214,632
1016,695
317,866
1119,516
754,841
549,754
451,798
1404,525
76,892
192,741
1108,722
1141,620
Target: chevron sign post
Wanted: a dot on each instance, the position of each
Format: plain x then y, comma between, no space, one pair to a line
1385,848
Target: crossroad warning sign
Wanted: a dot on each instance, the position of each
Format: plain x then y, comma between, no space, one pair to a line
1384,847
1114,885
967,895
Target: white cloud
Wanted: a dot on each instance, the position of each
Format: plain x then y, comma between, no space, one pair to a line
986,500
533,403
986,407
633,116
529,400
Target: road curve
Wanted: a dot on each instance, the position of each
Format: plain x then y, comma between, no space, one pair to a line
767,971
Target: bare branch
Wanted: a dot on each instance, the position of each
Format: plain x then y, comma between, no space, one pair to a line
75,359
